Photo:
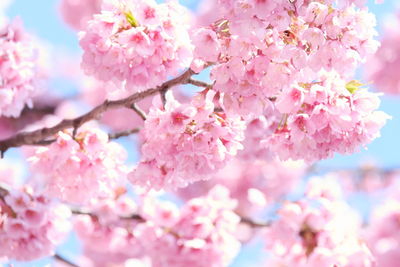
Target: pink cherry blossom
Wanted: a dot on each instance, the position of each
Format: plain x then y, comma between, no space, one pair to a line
116,238
203,234
31,225
80,169
330,119
191,143
254,184
206,45
136,45
19,76
317,232
299,40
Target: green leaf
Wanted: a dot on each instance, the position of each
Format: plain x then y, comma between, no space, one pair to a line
353,86
131,19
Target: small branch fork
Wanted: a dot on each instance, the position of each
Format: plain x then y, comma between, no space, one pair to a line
139,111
40,136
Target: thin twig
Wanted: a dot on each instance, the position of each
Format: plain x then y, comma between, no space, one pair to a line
254,224
199,83
64,260
34,137
163,96
123,133
135,217
139,111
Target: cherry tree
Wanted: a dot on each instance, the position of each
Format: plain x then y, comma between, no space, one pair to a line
230,108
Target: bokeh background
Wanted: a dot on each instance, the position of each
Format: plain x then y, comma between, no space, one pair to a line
41,18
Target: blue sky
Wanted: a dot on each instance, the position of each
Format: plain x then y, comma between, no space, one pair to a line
41,18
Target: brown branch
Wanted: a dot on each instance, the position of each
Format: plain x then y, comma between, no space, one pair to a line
135,217
34,137
139,111
64,260
163,96
3,192
199,83
123,133
254,224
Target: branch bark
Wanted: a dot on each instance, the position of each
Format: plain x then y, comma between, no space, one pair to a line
123,133
64,260
139,111
254,224
40,135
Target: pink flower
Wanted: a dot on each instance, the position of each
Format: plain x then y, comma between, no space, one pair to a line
79,170
317,232
330,119
18,69
136,45
206,44
116,239
255,184
268,46
32,228
192,142
203,235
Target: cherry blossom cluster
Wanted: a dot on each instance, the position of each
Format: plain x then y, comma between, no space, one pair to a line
324,117
381,68
299,40
116,238
200,234
254,184
137,44
31,225
184,143
318,231
305,45
19,75
80,169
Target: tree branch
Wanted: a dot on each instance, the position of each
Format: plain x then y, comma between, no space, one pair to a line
64,260
35,137
199,83
254,224
139,111
135,217
123,133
